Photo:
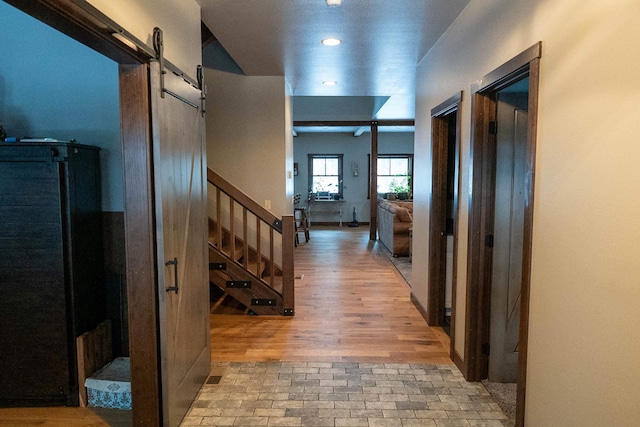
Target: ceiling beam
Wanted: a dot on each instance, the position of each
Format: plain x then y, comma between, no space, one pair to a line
403,122
362,129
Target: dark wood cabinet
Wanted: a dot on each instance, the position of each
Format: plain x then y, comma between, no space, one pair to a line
51,268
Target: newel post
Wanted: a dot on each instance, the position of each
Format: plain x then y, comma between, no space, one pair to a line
288,279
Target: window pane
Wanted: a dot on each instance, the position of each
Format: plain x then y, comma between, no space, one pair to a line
332,167
383,166
383,184
332,184
325,183
400,183
317,184
399,167
319,167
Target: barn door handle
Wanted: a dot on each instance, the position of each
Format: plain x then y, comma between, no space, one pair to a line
175,275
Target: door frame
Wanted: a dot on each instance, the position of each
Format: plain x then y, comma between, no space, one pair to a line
437,214
90,27
481,213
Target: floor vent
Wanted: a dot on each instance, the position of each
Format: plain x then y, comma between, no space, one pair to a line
216,375
214,379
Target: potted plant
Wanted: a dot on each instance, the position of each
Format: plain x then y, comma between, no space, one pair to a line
400,187
327,192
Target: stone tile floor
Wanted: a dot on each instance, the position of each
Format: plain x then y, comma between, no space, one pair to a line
342,394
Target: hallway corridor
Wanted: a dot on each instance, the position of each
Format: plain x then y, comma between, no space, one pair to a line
351,305
356,353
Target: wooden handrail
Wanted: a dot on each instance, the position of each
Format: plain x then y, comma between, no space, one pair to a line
246,201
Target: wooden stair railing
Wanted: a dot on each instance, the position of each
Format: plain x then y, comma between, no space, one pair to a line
250,240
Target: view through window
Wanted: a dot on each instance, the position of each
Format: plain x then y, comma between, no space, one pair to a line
325,173
394,173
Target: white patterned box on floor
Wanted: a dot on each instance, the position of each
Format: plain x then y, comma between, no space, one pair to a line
110,387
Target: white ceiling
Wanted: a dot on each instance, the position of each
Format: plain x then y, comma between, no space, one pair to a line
382,43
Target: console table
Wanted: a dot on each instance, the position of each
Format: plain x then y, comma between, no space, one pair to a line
329,207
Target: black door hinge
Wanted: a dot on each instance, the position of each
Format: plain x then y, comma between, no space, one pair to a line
488,240
486,349
493,127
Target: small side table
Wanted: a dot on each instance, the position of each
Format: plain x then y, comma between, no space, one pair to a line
411,244
326,207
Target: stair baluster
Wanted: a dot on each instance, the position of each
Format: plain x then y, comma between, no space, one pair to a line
267,278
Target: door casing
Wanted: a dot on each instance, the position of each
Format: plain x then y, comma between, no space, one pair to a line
526,64
440,117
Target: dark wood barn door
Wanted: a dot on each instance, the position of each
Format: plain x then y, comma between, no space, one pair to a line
181,219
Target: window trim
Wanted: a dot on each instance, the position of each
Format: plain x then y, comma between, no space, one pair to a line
340,158
397,156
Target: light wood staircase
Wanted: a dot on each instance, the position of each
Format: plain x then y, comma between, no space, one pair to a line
250,251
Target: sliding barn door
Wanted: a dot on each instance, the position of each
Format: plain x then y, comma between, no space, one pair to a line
183,288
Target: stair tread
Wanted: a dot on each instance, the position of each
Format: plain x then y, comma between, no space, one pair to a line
252,266
239,250
277,284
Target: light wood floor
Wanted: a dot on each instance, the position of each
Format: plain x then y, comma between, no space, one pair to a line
351,305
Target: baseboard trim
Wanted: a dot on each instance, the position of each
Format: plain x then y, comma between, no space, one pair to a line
457,360
337,224
419,306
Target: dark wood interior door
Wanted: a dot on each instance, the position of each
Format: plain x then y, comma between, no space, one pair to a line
181,221
506,279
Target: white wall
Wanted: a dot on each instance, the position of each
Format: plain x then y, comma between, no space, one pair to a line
583,361
354,149
179,21
288,135
53,86
249,136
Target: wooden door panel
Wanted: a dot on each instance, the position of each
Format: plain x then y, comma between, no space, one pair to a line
514,290
181,224
508,237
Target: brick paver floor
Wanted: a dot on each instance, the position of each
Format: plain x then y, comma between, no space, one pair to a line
342,394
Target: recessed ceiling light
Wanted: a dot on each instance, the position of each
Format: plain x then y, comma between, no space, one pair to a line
331,42
329,83
334,2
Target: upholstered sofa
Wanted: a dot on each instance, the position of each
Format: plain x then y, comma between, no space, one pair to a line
395,218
